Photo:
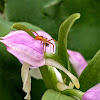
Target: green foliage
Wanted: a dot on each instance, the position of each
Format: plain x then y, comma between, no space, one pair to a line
91,74
49,14
63,36
53,95
63,39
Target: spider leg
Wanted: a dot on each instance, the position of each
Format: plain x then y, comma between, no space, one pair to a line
52,44
53,39
45,46
32,31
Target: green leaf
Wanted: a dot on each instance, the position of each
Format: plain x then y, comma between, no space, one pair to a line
53,95
63,36
23,27
62,41
91,74
49,77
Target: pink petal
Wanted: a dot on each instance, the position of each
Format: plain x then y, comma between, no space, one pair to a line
93,93
77,61
24,47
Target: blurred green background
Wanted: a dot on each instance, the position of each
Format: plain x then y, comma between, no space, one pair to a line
48,15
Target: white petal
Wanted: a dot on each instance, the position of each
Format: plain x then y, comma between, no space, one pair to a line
35,73
58,75
26,80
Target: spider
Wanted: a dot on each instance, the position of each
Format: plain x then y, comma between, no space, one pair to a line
43,40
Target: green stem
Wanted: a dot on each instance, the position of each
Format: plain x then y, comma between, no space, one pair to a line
73,92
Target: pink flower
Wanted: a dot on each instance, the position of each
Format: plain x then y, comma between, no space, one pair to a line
29,50
25,48
93,93
77,61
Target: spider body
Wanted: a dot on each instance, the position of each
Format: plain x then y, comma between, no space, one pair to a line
41,38
44,40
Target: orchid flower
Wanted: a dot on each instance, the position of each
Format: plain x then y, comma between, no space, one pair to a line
28,50
93,93
30,53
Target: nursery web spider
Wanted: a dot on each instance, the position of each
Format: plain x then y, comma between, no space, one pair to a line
43,40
